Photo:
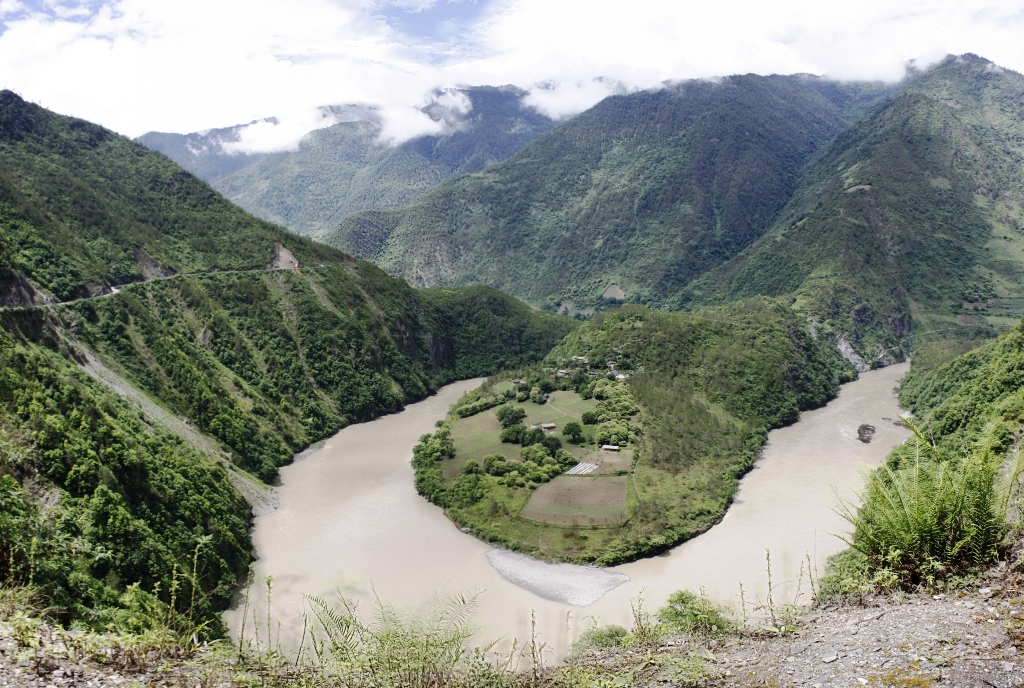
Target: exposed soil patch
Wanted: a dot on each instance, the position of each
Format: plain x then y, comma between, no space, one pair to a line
614,291
578,500
283,259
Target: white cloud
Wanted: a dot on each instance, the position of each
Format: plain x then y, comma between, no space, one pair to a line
187,65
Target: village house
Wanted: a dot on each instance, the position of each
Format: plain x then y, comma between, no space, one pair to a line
610,447
548,427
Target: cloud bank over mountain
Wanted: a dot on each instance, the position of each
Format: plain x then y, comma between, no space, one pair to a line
187,65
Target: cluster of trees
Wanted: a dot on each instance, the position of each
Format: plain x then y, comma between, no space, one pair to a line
132,504
268,362
482,404
539,464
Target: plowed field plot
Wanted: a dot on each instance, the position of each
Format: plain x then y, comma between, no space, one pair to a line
609,462
577,500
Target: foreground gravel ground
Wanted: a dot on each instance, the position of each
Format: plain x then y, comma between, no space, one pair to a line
966,638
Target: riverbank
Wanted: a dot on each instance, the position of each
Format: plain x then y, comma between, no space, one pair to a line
970,637
350,518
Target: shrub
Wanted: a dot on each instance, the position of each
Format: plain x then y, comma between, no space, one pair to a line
464,491
694,614
934,518
492,460
513,434
565,459
509,415
471,467
602,638
536,453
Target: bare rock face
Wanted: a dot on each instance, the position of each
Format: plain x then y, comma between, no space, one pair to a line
22,292
851,355
149,268
283,259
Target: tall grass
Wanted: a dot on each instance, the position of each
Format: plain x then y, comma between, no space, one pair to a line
934,516
398,648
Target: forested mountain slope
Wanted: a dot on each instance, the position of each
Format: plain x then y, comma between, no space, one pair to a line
345,167
130,419
913,215
647,191
975,397
83,209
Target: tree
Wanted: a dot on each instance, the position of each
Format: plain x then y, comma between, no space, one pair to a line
513,434
532,436
536,396
573,430
509,415
552,443
612,432
535,453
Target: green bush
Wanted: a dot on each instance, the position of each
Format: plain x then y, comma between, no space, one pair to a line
536,453
492,460
694,614
602,638
513,434
931,517
510,415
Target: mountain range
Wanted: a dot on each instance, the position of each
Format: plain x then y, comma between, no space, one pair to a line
877,211
346,167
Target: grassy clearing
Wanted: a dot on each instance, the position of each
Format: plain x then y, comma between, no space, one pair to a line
478,436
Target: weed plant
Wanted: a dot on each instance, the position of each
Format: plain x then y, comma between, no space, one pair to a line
929,518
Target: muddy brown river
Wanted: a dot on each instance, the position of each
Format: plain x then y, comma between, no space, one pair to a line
350,519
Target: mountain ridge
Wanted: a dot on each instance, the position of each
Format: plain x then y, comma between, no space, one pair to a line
347,167
644,191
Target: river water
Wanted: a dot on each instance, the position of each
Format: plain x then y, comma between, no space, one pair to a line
350,519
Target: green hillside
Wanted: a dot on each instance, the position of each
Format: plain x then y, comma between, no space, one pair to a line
84,208
345,168
646,191
963,399
911,219
136,422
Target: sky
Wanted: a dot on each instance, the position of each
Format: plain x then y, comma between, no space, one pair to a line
190,65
